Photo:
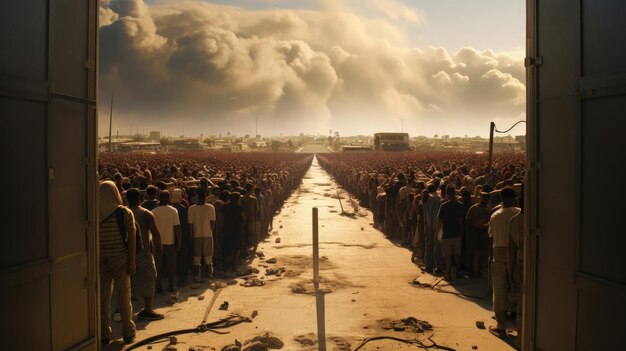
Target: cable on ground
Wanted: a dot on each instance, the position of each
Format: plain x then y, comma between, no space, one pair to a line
202,328
418,343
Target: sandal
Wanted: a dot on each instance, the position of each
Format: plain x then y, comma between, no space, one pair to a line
501,333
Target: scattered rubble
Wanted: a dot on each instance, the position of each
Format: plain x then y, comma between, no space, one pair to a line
263,342
253,282
224,306
278,240
409,324
275,271
271,260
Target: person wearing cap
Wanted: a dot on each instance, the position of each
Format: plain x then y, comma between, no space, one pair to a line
499,236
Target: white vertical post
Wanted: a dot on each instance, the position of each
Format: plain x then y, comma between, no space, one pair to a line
319,296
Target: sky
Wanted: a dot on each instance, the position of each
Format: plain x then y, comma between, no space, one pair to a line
311,66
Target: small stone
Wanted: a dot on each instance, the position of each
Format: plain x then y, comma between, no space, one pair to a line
474,347
149,347
173,340
278,240
353,300
260,254
254,314
362,228
232,282
271,260
480,324
281,227
201,297
255,346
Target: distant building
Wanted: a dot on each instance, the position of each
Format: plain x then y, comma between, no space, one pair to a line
155,135
391,141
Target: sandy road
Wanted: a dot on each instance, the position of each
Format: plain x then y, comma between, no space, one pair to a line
367,277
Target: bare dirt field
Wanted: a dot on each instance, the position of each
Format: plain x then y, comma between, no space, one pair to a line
369,283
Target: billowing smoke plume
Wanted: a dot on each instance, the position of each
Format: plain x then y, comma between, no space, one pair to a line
214,68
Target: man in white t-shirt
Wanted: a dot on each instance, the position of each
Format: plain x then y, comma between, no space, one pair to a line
499,235
201,219
168,224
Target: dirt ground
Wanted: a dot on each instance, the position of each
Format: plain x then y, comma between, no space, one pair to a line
367,280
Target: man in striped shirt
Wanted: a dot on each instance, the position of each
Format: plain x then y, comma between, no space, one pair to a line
117,260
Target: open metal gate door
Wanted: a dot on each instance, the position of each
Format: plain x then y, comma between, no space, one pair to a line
48,270
575,293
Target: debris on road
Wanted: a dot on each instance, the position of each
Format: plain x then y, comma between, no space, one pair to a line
271,260
263,342
224,306
275,271
278,240
253,282
410,324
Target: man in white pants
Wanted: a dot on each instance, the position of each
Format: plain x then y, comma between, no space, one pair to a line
201,219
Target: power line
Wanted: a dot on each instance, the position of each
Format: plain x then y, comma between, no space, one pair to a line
513,126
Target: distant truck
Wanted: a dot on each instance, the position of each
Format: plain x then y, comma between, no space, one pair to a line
391,142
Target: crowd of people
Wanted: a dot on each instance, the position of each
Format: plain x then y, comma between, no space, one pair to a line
177,217
457,213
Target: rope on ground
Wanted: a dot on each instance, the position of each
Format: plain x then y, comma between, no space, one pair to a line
205,327
418,343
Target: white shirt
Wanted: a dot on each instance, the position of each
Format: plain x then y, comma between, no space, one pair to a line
166,218
201,217
498,225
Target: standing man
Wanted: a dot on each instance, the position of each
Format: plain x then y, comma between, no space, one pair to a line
168,224
499,236
251,210
182,256
151,198
431,205
478,240
146,268
451,216
516,265
201,219
117,260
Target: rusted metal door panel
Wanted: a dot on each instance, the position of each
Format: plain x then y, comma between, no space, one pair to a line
48,265
575,282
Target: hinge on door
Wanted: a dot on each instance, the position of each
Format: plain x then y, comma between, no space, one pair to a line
50,174
533,61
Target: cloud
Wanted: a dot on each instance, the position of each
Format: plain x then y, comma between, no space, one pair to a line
218,67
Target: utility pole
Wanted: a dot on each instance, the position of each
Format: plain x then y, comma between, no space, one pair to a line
492,127
110,120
